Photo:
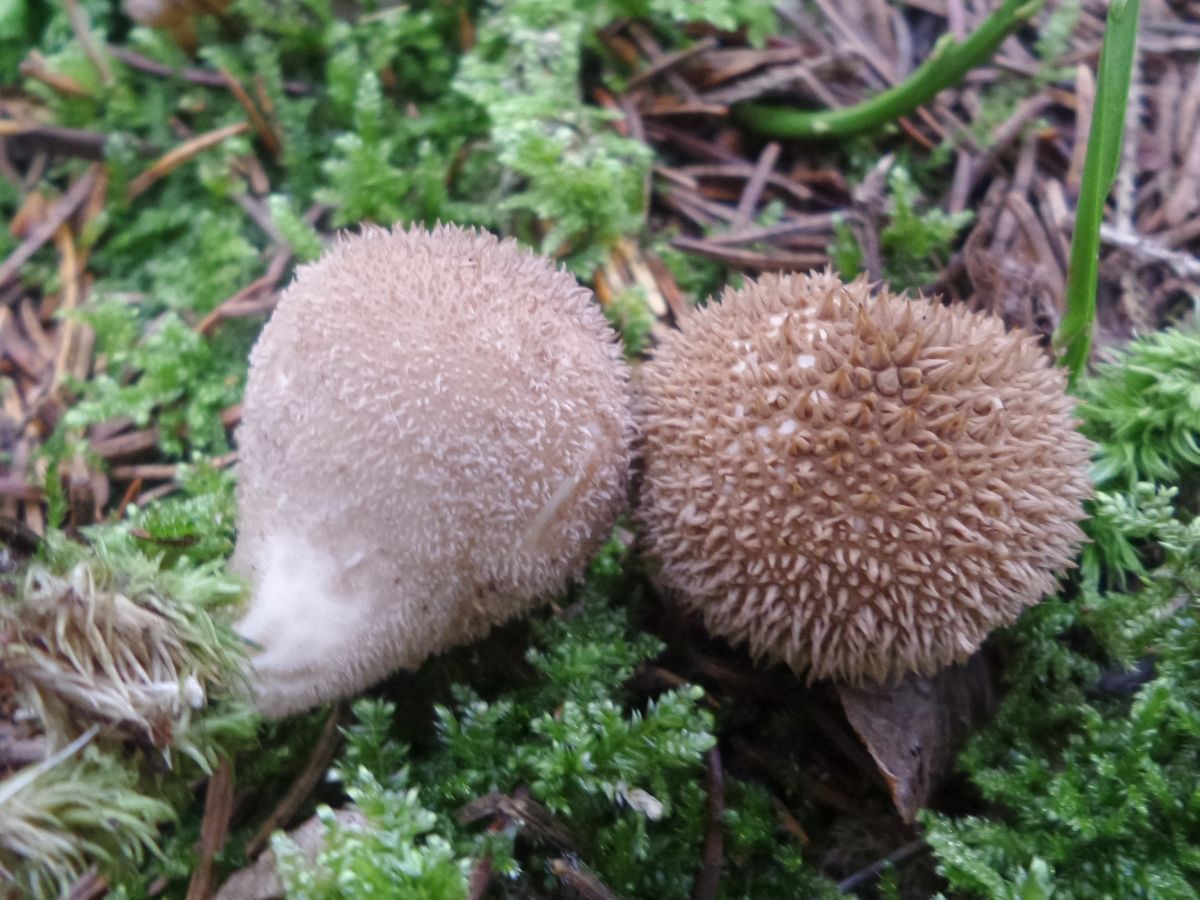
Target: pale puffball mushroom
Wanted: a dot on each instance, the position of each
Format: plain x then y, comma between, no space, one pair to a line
858,486
435,438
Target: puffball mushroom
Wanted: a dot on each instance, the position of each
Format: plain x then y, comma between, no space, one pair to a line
435,437
857,486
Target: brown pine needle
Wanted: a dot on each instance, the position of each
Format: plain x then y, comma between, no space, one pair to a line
262,127
173,159
63,209
34,66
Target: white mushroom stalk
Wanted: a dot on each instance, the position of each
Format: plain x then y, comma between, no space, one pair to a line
435,439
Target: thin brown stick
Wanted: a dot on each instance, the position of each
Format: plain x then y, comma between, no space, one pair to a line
202,77
173,159
708,879
697,205
265,131
260,215
88,886
582,882
670,61
83,33
127,444
63,210
750,259
144,471
218,810
34,66
692,144
875,869
815,223
790,186
1002,137
322,755
1147,249
25,140
238,304
752,192
648,45
481,878
668,107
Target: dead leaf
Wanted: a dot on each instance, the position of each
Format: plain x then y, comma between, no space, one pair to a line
260,880
915,729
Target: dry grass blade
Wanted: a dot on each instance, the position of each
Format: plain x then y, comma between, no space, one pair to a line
61,814
109,658
173,159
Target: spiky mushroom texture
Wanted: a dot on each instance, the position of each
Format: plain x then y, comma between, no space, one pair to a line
435,438
860,487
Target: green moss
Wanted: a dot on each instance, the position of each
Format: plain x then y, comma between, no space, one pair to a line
631,316
622,775
1144,410
395,115
398,854
915,242
131,656
1090,769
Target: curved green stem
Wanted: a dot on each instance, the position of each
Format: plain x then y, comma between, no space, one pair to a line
949,62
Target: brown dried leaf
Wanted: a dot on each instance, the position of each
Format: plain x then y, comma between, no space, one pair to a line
915,729
260,880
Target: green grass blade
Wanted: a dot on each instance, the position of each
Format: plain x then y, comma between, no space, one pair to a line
947,65
1074,335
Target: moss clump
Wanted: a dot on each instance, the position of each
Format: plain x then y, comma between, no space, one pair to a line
1090,771
124,668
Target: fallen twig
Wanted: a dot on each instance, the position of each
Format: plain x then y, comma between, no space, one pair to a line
585,885
202,77
173,159
243,303
218,810
26,139
1147,249
708,879
669,61
88,886
263,128
875,869
83,33
751,259
66,206
752,192
322,755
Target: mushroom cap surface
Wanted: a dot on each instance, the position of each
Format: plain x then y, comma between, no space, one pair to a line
858,486
435,437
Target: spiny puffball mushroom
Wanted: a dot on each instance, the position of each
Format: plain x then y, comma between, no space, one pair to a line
435,437
857,486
